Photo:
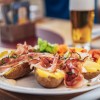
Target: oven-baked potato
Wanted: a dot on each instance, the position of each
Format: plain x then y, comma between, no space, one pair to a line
48,79
92,69
90,75
18,71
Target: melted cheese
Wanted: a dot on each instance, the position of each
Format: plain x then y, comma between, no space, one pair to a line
91,66
98,61
58,74
3,54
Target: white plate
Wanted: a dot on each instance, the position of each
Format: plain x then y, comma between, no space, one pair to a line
29,85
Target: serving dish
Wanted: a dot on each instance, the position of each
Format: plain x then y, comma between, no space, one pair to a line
49,69
29,85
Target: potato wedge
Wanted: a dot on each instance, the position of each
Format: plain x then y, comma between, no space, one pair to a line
47,79
18,71
92,68
90,75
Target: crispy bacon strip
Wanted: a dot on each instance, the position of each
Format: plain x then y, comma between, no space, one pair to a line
2,69
73,77
4,61
54,64
95,54
23,48
73,80
12,62
47,63
30,57
6,67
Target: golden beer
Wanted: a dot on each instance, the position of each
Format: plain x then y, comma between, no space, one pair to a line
82,23
82,19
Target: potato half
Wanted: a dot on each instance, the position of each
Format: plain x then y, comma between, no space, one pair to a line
18,71
90,75
92,68
48,79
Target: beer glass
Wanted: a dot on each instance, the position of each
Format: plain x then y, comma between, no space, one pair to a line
82,19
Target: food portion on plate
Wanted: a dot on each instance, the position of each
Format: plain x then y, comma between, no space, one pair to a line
52,64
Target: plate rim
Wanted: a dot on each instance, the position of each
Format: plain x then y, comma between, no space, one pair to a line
45,91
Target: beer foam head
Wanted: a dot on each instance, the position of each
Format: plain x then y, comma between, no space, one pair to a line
82,5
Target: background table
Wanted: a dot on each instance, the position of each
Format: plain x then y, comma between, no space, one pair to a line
63,28
47,26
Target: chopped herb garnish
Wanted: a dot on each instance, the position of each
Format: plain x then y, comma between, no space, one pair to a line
69,73
88,85
14,56
30,57
2,61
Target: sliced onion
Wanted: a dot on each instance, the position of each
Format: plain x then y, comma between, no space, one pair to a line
84,55
75,55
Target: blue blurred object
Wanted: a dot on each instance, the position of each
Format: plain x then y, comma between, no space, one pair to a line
15,6
96,12
5,11
60,9
57,8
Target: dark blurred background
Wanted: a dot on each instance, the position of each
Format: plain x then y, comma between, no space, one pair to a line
54,8
60,9
16,15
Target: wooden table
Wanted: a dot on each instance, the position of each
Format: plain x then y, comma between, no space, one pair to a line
63,28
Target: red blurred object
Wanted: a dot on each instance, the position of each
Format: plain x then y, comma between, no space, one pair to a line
50,36
6,1
13,33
